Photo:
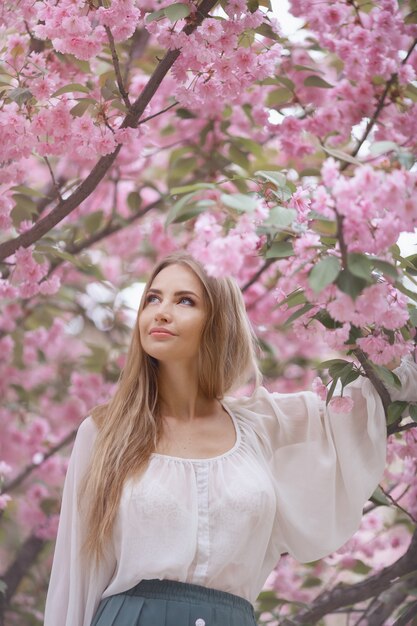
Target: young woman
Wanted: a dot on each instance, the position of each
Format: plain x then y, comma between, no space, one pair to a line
179,499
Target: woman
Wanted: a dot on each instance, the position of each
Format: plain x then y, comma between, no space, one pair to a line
179,499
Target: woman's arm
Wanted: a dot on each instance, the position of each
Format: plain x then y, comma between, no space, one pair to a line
75,587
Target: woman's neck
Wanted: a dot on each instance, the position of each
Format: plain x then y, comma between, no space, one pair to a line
179,393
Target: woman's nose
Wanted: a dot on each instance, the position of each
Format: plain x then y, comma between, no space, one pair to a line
162,312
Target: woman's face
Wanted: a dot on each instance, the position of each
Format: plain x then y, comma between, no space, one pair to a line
172,321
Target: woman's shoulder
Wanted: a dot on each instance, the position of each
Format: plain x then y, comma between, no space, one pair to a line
86,434
261,397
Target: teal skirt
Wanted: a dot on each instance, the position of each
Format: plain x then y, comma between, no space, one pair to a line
171,603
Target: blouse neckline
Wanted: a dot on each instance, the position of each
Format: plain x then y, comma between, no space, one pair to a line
209,459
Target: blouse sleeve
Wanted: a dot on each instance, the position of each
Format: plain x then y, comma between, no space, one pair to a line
75,589
325,465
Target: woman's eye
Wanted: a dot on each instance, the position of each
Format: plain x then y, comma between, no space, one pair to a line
150,298
187,300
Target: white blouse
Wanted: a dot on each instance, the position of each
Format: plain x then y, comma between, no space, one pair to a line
295,481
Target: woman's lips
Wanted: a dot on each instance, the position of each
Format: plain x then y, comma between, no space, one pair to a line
161,331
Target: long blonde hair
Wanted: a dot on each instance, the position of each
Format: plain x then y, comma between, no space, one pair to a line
129,425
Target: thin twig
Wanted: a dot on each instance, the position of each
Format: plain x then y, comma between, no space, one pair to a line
379,107
397,505
54,181
150,117
258,274
116,65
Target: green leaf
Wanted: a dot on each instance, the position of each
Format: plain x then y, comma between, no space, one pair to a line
331,390
280,250
265,30
193,187
411,294
280,217
411,264
412,311
309,171
97,359
239,202
381,147
238,157
411,92
71,88
324,365
361,568
184,114
177,11
186,208
267,601
155,15
341,156
303,68
311,581
134,201
294,299
413,412
81,107
285,81
324,273
277,178
93,221
395,410
340,371
28,191
24,209
349,377
379,497
250,146
387,376
360,265
386,268
302,311
411,18
317,81
180,168
326,319
278,96
350,284
20,95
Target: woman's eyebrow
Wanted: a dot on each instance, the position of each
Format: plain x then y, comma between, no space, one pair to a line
184,292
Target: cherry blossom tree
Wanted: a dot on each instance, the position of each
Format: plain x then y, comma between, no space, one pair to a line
130,129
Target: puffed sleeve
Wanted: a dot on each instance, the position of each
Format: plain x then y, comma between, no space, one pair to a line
325,465
75,588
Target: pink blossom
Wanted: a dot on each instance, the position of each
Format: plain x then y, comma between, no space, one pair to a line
51,286
319,388
4,501
5,469
341,404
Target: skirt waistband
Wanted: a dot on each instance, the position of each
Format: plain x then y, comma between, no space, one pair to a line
174,590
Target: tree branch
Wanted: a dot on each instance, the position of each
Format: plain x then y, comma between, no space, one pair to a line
347,595
406,617
379,107
28,553
15,482
258,274
375,380
88,185
390,600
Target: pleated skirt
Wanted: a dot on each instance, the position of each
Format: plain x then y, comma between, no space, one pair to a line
171,603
